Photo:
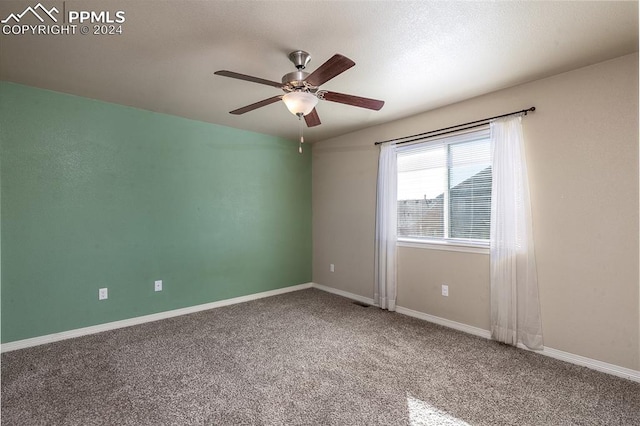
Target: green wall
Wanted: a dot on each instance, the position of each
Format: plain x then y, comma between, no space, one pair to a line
101,195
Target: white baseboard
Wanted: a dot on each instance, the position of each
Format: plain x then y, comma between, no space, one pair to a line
55,337
343,293
594,364
615,370
481,332
604,367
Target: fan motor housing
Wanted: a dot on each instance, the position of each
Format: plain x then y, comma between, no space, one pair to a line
295,79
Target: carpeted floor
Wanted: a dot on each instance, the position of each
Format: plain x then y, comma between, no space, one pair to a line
302,358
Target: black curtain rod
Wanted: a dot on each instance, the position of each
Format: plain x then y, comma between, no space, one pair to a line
457,128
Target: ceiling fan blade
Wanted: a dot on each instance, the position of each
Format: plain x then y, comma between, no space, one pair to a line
341,98
312,119
257,105
337,64
244,77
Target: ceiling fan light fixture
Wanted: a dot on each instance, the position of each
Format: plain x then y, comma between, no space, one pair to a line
300,102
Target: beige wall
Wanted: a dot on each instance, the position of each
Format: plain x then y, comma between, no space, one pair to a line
582,153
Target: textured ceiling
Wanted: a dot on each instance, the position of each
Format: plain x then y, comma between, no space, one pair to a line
415,56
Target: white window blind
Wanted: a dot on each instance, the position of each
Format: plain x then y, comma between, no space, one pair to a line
444,189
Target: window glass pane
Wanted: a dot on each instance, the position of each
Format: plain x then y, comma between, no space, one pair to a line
422,181
444,189
470,190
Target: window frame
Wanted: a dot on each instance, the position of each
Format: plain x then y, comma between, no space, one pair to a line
448,244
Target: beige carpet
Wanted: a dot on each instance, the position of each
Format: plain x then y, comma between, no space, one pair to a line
303,358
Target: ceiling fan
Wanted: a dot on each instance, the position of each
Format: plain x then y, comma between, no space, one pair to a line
302,90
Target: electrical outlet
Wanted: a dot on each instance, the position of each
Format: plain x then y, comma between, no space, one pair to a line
332,268
445,290
158,285
103,293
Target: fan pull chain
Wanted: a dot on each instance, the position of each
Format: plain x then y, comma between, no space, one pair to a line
301,135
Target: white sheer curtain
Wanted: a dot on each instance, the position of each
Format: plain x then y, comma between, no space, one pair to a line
386,228
515,307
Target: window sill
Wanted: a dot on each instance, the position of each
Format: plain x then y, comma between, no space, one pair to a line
444,245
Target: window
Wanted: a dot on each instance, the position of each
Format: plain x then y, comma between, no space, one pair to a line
444,190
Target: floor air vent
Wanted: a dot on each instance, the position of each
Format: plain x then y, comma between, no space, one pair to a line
363,305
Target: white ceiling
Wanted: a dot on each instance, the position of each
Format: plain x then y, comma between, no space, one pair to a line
416,56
